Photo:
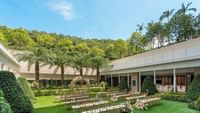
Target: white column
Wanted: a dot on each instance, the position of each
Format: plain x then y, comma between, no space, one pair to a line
154,76
139,81
111,81
174,82
128,79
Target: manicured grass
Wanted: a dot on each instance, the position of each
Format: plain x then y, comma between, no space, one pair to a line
46,104
169,107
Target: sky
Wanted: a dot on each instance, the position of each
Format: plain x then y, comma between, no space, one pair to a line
100,19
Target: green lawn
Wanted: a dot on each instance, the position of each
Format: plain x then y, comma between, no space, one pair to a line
46,104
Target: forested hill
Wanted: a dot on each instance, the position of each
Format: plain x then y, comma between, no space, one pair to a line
173,26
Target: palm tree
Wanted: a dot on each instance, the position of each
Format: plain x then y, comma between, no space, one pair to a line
60,59
80,61
140,28
80,57
166,14
35,56
185,8
97,60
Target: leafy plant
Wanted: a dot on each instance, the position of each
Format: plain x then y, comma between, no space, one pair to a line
23,83
195,105
4,106
148,86
175,97
15,96
194,89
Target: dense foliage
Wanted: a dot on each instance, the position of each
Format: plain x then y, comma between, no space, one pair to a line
18,101
175,97
194,89
4,106
23,83
48,92
195,105
148,86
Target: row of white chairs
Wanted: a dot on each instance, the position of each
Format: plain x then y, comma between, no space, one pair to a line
89,104
104,109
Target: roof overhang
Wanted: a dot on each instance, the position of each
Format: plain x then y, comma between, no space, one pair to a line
7,59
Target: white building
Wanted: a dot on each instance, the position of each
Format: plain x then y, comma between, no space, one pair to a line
172,67
52,73
8,62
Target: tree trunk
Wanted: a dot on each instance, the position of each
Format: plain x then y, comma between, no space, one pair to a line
62,68
98,75
37,72
81,74
81,71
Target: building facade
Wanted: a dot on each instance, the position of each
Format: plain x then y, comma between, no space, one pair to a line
8,62
52,73
172,67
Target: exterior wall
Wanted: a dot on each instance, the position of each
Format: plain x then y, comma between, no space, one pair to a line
8,62
134,76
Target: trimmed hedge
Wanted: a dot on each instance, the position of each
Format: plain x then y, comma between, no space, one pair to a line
175,97
148,86
15,96
4,105
23,83
48,92
194,89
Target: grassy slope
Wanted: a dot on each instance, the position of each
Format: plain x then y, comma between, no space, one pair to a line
47,105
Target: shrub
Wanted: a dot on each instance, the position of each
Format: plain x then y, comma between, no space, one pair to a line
195,105
49,92
35,85
175,97
23,83
18,101
194,89
123,85
148,86
4,106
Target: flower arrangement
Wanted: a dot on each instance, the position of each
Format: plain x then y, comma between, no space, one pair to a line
140,104
79,79
114,98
